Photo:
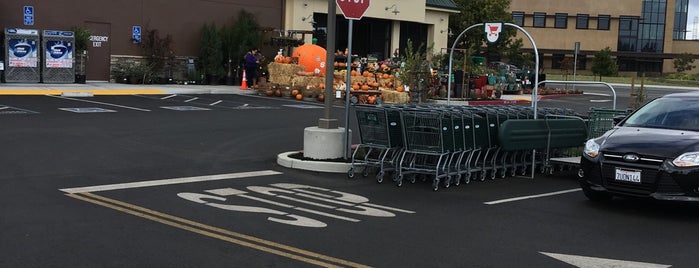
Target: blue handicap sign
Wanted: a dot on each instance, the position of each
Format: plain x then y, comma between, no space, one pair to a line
136,34
28,15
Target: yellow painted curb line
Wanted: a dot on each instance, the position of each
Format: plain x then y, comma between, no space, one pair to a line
93,91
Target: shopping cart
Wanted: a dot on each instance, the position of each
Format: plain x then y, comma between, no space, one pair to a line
427,142
601,120
381,140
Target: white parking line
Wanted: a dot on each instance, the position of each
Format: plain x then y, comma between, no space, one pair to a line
141,184
530,197
102,103
217,102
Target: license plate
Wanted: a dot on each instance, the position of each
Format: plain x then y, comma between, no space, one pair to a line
628,175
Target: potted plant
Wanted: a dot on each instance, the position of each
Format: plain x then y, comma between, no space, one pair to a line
82,39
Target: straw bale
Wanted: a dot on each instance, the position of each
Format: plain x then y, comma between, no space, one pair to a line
282,74
392,96
303,81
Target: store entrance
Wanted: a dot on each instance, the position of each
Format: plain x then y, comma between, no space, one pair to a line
370,36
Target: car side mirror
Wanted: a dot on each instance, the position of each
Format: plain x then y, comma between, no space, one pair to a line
617,119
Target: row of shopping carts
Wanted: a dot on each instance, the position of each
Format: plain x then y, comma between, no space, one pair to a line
449,144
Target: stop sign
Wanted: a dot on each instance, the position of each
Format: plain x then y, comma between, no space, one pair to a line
353,9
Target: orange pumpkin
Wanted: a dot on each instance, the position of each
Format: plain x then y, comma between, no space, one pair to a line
355,87
299,96
372,99
400,89
294,92
365,87
321,86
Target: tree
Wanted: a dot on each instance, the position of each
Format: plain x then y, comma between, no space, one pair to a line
158,53
683,62
479,11
245,34
210,54
603,64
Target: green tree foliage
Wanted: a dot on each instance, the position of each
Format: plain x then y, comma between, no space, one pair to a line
157,50
603,64
210,54
684,62
245,35
480,11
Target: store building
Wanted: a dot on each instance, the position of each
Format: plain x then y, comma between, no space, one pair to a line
644,35
386,26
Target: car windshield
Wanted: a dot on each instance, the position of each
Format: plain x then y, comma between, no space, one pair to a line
670,113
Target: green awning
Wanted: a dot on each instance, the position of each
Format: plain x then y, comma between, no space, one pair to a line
446,4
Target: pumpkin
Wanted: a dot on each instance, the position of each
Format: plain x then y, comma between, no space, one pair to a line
385,76
355,87
269,92
365,87
371,99
294,92
279,58
400,89
278,93
299,96
366,74
321,86
321,97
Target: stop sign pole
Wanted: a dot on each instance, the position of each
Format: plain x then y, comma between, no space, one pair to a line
352,10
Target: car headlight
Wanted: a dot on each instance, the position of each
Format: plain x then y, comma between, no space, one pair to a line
591,148
687,160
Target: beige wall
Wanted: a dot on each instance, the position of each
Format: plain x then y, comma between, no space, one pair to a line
412,11
592,7
591,38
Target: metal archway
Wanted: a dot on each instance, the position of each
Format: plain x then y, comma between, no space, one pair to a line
536,55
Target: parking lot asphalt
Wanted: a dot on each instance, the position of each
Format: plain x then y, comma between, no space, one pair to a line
184,179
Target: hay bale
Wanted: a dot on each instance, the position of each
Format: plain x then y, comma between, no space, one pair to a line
304,81
281,73
392,96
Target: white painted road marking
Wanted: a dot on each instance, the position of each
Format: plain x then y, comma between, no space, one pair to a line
600,100
102,103
217,102
592,262
530,197
141,184
167,97
354,204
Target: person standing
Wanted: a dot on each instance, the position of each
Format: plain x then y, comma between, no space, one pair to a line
251,64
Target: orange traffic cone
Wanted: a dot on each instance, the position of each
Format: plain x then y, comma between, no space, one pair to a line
244,85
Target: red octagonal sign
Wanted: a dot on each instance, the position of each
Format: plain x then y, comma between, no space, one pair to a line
353,9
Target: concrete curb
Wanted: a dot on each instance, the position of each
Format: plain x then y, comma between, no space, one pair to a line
284,160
